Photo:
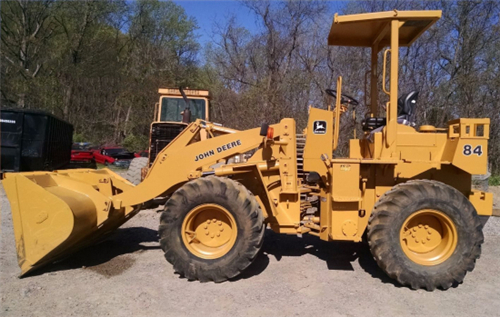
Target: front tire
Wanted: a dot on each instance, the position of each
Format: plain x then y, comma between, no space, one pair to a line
211,229
425,234
134,170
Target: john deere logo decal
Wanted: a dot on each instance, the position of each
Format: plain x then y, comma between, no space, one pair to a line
319,127
219,149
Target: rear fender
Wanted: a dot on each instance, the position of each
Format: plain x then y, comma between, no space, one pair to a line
470,140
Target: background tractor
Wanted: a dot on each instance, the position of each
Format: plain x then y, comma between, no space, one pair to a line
169,120
408,189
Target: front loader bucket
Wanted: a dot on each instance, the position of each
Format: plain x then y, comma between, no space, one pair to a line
56,213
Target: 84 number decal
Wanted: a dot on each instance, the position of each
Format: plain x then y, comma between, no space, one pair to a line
478,150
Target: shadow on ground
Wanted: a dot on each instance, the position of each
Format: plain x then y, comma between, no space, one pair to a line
337,255
110,257
113,256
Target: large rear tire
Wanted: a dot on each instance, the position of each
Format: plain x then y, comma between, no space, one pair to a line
425,234
134,169
211,229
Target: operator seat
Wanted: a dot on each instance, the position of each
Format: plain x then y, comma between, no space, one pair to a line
406,113
406,107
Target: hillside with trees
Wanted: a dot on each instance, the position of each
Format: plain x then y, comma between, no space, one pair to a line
98,64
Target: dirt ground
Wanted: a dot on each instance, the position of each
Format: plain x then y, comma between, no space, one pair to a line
126,275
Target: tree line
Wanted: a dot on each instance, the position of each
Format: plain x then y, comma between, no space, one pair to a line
98,64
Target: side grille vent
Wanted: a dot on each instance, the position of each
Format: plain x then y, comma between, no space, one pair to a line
161,135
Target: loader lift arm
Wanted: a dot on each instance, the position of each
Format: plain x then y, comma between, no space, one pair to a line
191,159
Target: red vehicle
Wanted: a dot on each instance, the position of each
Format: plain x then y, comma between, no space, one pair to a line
144,153
81,155
117,156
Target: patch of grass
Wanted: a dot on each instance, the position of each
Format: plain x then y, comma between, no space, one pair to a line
494,180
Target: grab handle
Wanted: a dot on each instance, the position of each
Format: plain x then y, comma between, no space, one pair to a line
338,104
384,71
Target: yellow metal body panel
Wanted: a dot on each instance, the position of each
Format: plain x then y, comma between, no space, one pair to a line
344,224
318,143
346,182
346,198
482,201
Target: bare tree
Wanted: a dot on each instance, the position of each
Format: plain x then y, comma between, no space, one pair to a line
26,27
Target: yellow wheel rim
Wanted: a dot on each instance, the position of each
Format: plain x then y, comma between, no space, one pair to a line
209,231
428,237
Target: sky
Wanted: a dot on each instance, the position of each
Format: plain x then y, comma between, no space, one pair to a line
207,12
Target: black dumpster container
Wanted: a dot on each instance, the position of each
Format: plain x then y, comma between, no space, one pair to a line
34,140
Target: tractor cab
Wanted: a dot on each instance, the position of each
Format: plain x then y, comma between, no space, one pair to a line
171,105
170,116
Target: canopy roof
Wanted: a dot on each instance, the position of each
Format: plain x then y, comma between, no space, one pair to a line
368,28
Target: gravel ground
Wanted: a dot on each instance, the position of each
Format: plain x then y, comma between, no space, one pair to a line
496,198
127,275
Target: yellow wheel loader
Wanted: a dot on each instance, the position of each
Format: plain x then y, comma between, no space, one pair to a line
409,189
170,118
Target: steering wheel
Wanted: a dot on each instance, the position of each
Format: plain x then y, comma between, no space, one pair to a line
343,97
